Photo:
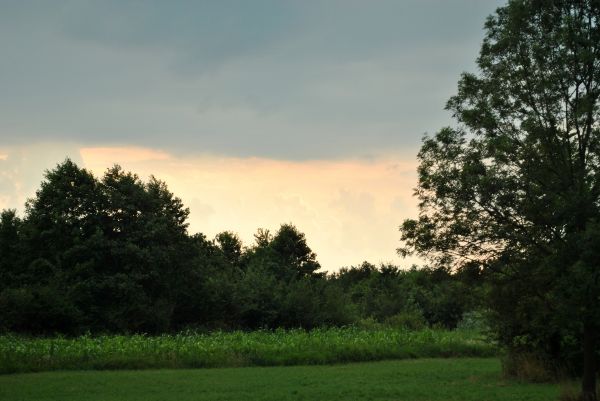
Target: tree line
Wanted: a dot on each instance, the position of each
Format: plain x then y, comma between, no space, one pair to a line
113,254
509,219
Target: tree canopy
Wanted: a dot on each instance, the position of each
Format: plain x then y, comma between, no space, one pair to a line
515,187
112,254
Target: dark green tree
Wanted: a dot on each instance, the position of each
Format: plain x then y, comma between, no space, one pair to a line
96,255
60,225
263,237
10,254
206,288
231,246
516,187
258,295
64,212
145,248
295,256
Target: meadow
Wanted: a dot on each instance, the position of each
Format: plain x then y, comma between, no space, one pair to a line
236,349
464,379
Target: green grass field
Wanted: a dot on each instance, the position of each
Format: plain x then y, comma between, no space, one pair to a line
236,349
464,379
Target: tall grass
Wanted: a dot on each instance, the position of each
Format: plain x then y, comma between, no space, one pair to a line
235,349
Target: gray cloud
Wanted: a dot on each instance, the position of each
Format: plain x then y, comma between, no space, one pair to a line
205,33
281,79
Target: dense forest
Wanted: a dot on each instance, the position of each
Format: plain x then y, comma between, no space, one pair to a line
113,255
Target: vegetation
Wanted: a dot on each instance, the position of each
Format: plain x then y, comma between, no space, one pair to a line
113,255
514,191
509,217
231,349
416,380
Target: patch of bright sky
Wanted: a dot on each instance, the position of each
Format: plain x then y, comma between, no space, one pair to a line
256,113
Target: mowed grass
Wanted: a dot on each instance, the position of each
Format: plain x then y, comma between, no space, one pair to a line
463,379
236,349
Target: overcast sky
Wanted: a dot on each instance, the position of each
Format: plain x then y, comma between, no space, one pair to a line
306,87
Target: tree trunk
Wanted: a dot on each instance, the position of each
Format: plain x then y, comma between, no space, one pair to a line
588,385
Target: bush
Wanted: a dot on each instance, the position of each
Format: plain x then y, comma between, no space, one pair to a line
474,320
368,323
410,320
530,367
572,392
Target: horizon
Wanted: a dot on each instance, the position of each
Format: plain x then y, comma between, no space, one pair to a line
255,115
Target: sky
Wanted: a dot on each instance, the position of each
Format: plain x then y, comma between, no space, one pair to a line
255,113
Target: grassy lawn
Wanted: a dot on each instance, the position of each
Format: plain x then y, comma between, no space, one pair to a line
464,379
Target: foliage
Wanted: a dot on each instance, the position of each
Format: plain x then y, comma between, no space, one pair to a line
290,246
387,293
530,366
515,189
113,255
237,348
96,254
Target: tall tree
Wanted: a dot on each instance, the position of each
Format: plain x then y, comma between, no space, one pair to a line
230,245
10,233
516,187
60,225
294,253
103,254
146,246
64,212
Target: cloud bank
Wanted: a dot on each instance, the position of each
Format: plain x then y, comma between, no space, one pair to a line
277,79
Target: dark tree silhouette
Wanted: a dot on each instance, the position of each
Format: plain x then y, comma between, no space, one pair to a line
516,187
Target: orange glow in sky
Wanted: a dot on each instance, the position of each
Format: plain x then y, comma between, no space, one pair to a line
349,210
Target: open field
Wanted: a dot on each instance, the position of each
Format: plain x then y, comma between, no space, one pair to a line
236,349
464,379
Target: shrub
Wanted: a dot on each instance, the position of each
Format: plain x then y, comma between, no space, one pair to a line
571,391
411,320
530,367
